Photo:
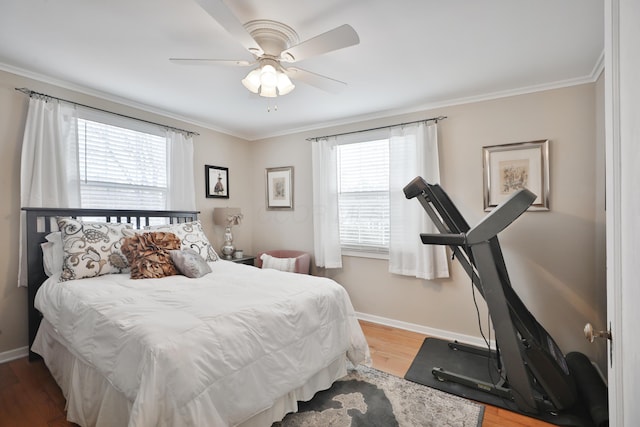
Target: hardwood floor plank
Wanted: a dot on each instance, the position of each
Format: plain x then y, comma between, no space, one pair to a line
7,377
19,408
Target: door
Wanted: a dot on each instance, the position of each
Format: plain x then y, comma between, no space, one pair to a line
622,123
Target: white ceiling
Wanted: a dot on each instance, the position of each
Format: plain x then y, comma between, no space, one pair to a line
413,54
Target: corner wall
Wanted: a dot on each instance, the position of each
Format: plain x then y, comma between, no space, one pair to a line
552,257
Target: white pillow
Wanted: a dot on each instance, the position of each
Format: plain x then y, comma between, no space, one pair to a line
52,253
192,236
282,264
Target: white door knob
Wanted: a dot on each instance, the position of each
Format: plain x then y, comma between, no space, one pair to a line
590,334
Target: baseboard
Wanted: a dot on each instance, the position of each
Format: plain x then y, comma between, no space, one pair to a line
16,353
432,332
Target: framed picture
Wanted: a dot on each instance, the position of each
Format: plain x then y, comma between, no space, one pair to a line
279,188
510,167
217,181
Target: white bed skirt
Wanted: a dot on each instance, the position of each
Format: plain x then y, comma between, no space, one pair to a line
94,401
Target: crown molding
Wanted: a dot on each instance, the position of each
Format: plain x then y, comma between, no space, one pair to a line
112,98
590,78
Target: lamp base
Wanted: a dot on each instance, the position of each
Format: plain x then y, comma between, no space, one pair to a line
227,251
227,248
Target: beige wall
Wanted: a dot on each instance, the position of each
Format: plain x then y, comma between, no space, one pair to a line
554,258
210,147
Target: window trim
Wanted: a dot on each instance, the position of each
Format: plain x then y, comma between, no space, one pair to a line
113,119
348,251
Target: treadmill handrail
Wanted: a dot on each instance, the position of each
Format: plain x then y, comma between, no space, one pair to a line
444,239
415,187
503,215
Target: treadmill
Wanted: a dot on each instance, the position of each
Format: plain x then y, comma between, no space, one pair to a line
535,378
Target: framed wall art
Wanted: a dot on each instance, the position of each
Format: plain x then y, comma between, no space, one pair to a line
510,167
279,191
217,181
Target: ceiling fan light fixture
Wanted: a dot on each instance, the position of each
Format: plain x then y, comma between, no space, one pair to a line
268,76
252,81
268,81
268,91
284,84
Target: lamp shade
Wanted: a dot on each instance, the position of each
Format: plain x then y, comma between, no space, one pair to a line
268,91
227,216
284,84
268,76
252,81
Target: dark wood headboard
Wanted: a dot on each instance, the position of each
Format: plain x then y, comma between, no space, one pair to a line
42,221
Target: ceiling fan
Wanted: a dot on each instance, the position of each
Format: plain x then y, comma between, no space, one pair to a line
272,43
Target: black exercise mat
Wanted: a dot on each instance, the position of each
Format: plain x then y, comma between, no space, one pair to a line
436,353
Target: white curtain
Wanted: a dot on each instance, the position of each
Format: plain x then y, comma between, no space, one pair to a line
326,231
413,151
180,179
49,173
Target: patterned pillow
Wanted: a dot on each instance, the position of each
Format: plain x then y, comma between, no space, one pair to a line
282,264
192,236
190,263
149,254
91,248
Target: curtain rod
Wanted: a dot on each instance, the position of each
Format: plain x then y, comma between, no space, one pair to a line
32,92
432,119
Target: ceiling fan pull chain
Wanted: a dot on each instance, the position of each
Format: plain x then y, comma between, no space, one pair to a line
275,107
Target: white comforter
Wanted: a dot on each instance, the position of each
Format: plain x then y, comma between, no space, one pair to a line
209,351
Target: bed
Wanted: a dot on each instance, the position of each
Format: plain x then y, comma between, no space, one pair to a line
239,346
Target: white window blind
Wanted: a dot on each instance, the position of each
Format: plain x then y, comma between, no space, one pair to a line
121,168
363,196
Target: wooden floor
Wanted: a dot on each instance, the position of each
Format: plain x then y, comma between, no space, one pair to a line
29,397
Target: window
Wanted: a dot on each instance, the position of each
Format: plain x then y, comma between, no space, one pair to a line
363,196
121,167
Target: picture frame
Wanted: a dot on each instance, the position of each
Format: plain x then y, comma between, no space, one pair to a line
217,181
510,167
279,188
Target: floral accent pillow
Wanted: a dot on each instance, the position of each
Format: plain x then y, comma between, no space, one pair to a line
149,254
192,236
91,249
190,263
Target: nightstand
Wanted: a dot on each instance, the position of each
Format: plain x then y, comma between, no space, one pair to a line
247,259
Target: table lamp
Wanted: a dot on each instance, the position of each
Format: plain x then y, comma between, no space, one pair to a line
227,217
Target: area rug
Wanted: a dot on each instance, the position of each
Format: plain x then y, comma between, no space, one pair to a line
367,397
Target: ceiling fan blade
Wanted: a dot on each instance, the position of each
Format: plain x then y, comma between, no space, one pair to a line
221,13
205,61
338,38
321,82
